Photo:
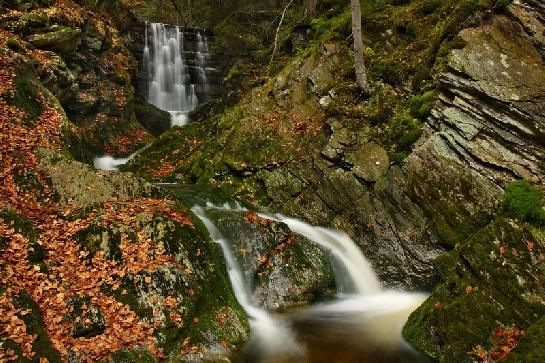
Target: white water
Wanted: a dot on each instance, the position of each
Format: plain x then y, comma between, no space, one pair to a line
170,86
178,118
202,52
108,162
272,336
363,308
363,280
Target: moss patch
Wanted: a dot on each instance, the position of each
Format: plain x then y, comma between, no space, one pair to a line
493,279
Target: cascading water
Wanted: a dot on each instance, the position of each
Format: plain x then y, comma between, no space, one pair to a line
358,277
202,51
170,85
271,335
362,325
107,162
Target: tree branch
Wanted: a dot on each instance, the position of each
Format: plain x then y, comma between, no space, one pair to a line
276,36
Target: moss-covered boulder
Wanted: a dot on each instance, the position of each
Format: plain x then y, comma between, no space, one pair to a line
283,268
494,279
63,40
530,348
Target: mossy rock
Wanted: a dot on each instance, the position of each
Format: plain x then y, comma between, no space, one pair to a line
85,317
27,95
155,120
284,268
531,348
493,279
42,346
63,40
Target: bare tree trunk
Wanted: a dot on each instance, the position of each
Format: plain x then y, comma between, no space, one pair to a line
311,8
359,63
276,36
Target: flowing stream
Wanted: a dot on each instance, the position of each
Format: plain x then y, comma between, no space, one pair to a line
363,324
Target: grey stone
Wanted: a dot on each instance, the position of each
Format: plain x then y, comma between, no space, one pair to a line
370,162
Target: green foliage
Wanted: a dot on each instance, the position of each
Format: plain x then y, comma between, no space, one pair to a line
524,201
381,106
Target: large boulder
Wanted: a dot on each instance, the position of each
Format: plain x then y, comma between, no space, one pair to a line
284,268
495,279
62,40
155,120
370,162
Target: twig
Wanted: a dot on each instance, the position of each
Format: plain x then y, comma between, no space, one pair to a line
276,36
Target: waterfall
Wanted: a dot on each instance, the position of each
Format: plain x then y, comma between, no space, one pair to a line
354,273
170,85
362,307
202,52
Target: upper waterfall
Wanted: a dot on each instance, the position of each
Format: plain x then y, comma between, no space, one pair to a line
171,84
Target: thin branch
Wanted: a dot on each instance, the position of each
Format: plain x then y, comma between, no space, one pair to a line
276,36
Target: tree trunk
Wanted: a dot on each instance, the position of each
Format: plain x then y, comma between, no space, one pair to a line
359,63
311,8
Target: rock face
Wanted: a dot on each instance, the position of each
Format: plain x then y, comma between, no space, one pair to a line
494,279
492,99
486,130
284,269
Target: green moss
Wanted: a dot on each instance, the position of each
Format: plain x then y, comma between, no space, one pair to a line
421,105
524,201
26,96
490,280
13,45
531,348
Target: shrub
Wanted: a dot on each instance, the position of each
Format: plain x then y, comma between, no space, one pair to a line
523,200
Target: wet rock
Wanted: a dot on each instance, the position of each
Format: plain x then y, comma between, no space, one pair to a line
284,268
155,120
370,162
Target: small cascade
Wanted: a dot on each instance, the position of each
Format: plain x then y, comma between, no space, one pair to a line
170,84
354,273
272,335
108,162
364,321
